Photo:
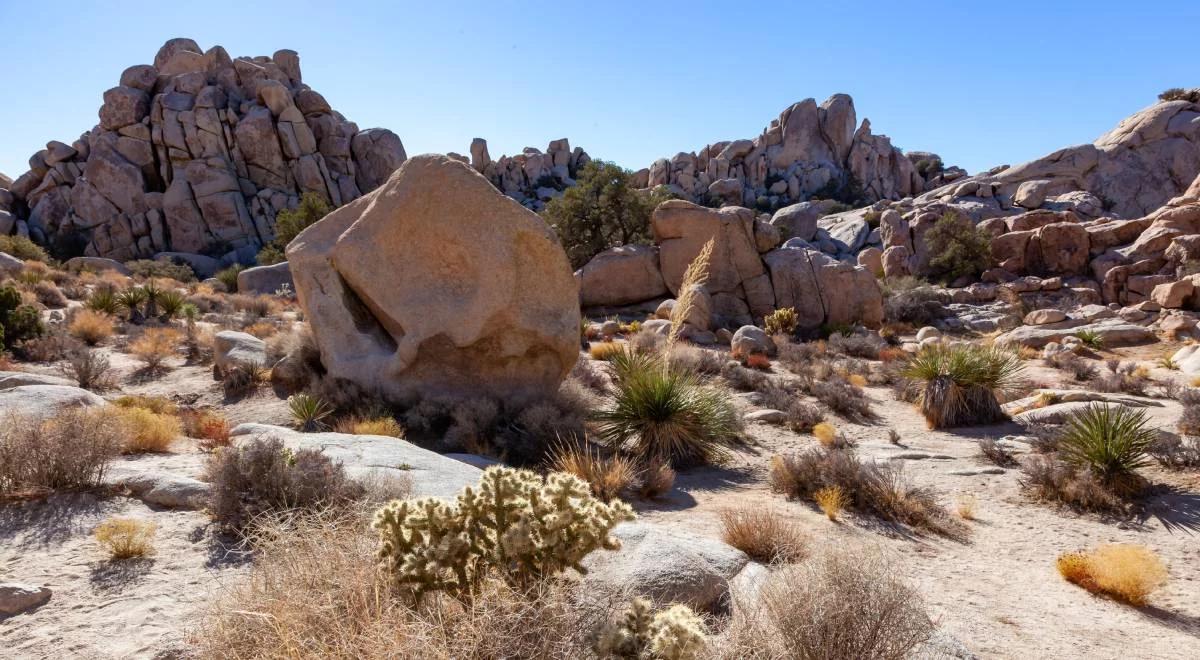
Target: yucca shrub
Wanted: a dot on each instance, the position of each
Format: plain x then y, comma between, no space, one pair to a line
309,412
958,385
659,412
1111,441
131,300
103,299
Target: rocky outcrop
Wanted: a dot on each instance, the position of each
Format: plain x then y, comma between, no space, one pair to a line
530,177
621,276
809,149
197,153
41,401
265,279
437,285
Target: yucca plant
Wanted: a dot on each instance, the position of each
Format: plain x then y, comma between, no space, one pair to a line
131,301
665,414
309,412
1112,441
154,293
104,299
957,385
172,303
1091,339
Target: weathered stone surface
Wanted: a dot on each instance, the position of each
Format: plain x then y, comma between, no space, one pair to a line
43,401
621,276
1112,333
265,279
10,265
17,598
11,379
1172,295
896,260
1044,316
368,457
234,349
438,285
824,290
161,488
95,265
871,259
751,340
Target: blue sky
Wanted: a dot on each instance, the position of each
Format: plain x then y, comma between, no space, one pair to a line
980,83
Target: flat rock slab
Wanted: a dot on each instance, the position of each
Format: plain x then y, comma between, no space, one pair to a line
369,456
1061,397
1059,413
16,598
1111,333
11,379
43,401
161,488
766,416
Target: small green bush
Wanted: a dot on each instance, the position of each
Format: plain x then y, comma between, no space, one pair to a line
959,248
23,248
18,321
956,385
229,277
288,225
1180,94
1112,441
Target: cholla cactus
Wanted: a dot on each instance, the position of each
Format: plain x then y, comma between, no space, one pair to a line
518,524
675,633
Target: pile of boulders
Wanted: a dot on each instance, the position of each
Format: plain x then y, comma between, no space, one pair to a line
530,177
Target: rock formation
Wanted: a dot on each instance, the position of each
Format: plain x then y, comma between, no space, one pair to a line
531,177
437,285
196,153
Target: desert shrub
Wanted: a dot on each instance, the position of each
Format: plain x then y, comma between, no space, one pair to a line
996,453
702,361
1091,339
608,476
1046,478
605,350
125,538
1180,94
228,277
262,476
743,379
831,500
67,452
763,534
49,295
1126,572
155,346
647,341
103,299
1111,441
958,248
640,633
908,300
261,329
781,322
1174,452
256,307
878,489
23,248
840,396
18,322
90,327
517,525
90,369
132,300
957,385
600,211
865,346
147,431
1079,368
288,225
242,379
164,267
965,506
839,604
375,426
1189,420
825,433
660,412
657,479
155,404
171,303
210,427
799,416
309,412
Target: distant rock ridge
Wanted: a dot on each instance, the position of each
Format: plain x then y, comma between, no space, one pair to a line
196,153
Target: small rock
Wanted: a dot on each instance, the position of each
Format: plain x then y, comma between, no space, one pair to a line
751,339
767,416
927,332
16,598
1044,316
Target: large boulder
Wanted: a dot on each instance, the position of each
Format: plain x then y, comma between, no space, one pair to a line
436,284
824,290
621,276
233,349
44,401
1112,332
265,279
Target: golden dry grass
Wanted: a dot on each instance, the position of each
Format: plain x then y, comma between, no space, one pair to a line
607,475
376,426
605,350
825,433
1128,573
155,404
857,380
147,431
695,276
155,346
206,425
261,329
124,538
763,534
91,327
965,506
831,500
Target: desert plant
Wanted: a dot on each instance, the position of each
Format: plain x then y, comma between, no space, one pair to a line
607,476
965,506
763,534
908,300
605,350
49,295
18,322
657,479
660,412
211,428
229,277
1047,478
841,397
1126,572
23,248
865,346
242,379
288,225
147,431
155,346
517,525
1091,339
1180,94
125,538
163,267
700,361
781,322
262,476
958,248
103,299
91,327
383,425
90,369
640,633
1111,441
67,452
309,412
825,433
172,303
1176,453
831,500
131,300
996,453
693,278
957,385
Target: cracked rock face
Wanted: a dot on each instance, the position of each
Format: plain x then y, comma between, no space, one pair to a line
438,285
197,153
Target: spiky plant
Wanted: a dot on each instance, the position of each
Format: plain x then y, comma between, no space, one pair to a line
695,276
172,303
781,321
154,293
675,633
1091,339
664,413
1112,441
957,385
104,299
131,300
309,412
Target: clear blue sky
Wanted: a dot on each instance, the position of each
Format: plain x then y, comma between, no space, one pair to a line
980,83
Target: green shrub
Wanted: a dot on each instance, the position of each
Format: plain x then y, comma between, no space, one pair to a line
1111,441
1090,338
781,321
104,299
666,414
23,248
516,525
18,321
164,267
956,385
600,211
1180,94
131,300
958,248
288,225
309,412
228,277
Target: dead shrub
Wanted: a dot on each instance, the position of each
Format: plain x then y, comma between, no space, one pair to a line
125,538
90,369
1125,572
1048,479
842,398
155,346
375,426
799,416
243,379
996,453
1176,453
763,534
210,427
658,478
588,375
697,360
743,379
49,295
67,452
865,346
90,327
1079,368
261,329
262,476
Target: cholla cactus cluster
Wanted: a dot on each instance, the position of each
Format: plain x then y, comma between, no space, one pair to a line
675,633
518,524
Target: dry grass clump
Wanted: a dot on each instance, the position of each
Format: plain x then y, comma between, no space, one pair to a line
155,346
125,538
608,476
837,605
825,433
209,426
90,327
959,385
315,591
842,397
49,295
262,476
865,346
697,360
261,329
1048,479
155,404
90,369
658,478
1125,572
1079,368
243,379
694,277
1189,420
1124,377
67,452
146,431
605,350
763,534
996,453
965,506
869,487
374,426
831,500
